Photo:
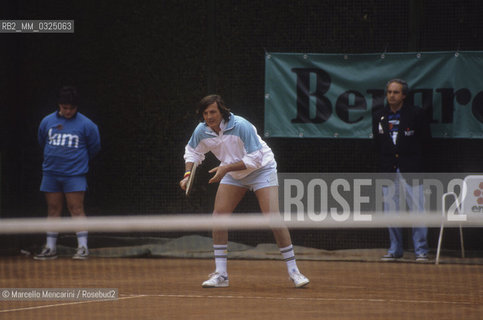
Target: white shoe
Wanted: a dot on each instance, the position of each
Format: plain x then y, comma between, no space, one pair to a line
46,254
216,280
299,280
81,254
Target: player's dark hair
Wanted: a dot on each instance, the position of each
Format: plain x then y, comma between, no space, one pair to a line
208,100
68,95
404,84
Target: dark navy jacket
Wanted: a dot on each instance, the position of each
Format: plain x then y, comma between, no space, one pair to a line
412,139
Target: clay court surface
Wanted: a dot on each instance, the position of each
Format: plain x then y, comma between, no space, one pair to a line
171,289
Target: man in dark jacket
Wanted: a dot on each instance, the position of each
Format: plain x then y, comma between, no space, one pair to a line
401,132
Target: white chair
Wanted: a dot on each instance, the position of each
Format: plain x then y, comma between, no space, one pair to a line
471,195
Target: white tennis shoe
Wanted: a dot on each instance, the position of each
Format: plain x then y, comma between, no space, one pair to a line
216,280
299,280
81,254
46,254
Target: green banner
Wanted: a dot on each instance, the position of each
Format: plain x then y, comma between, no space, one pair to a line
333,95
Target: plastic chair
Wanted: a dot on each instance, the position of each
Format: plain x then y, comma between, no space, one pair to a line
471,195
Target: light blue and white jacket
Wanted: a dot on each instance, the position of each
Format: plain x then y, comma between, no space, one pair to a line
237,141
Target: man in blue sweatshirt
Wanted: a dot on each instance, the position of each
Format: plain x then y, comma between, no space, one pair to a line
68,140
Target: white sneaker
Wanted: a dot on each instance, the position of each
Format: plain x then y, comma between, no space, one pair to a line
46,254
216,280
81,254
299,280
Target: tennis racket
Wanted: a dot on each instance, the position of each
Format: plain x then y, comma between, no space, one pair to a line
191,179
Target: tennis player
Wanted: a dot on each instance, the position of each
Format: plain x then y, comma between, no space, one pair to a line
69,140
246,163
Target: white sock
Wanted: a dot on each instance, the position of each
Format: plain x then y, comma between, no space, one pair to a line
289,257
82,239
221,253
52,240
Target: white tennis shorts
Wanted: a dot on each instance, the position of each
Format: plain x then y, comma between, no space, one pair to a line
258,179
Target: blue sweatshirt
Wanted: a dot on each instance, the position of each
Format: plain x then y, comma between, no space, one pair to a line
68,144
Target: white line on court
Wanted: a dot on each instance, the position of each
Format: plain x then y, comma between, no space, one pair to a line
193,296
67,304
308,299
